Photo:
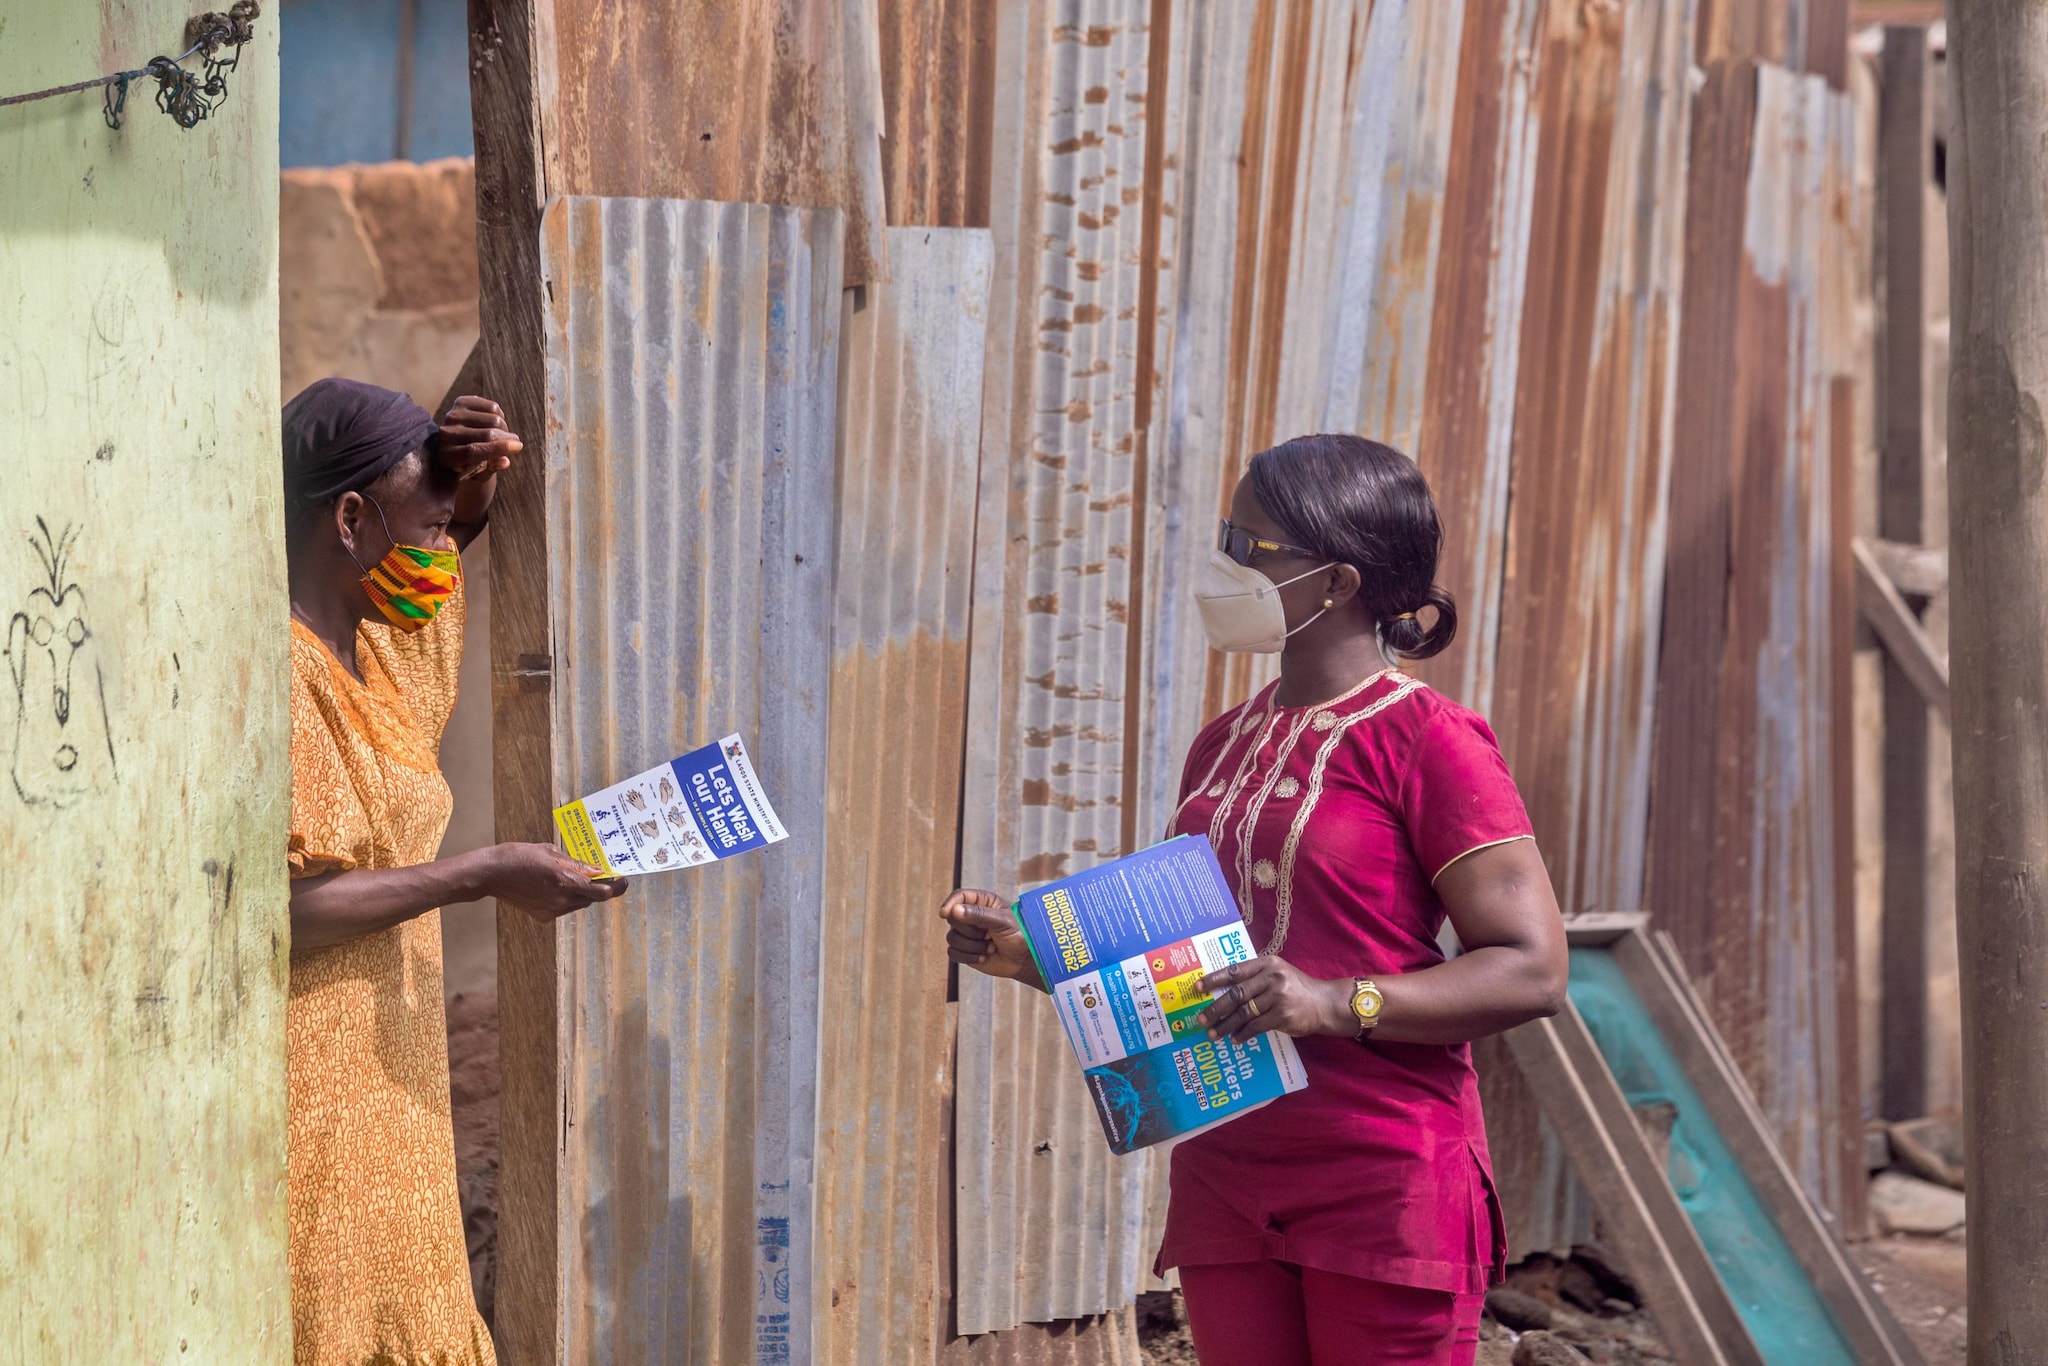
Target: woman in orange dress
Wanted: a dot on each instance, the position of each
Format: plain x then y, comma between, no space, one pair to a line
380,501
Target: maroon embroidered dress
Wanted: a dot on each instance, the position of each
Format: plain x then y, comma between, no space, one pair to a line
1331,822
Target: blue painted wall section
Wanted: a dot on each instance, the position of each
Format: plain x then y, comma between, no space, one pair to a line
340,69
1785,1314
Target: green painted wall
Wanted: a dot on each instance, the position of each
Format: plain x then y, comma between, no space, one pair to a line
144,738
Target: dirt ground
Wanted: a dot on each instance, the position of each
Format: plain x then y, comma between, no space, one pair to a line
1922,1280
1163,1330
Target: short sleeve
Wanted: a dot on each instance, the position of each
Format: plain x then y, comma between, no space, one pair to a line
1457,795
329,831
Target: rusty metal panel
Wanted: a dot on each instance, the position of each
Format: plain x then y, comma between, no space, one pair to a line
1105,1340
1310,175
1582,601
1796,642
1307,177
938,73
1363,305
1474,360
643,100
1219,62
1746,857
692,356
910,438
1307,151
1290,154
1563,658
1047,1220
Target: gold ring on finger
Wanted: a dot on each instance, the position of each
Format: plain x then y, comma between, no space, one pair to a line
1253,1007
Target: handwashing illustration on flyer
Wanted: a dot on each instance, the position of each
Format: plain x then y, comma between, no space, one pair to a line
691,811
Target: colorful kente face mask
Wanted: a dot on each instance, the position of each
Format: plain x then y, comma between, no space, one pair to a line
411,584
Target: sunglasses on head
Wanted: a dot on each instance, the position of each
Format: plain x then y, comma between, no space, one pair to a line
1239,544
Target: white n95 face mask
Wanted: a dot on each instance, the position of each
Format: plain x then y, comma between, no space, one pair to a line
1241,611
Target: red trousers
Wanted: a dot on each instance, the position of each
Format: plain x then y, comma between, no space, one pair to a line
1274,1314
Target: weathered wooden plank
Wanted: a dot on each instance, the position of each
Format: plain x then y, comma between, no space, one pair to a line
1785,1314
1596,928
1908,646
512,52
1905,155
1917,571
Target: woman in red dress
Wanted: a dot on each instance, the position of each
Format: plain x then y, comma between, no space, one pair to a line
1353,809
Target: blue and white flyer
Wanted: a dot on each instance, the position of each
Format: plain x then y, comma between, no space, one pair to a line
691,811
1124,948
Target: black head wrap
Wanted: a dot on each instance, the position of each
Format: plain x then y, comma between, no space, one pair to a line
340,435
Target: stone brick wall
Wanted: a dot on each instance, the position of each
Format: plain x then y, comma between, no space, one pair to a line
377,274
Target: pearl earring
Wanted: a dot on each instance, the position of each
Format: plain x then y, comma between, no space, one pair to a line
1328,603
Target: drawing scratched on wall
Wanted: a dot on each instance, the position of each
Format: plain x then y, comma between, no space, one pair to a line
63,746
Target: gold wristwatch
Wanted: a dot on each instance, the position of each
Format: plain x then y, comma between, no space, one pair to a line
1366,1002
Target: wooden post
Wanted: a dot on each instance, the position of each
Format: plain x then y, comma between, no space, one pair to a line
1905,160
511,175
1998,649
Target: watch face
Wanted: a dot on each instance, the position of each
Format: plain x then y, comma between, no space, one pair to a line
1365,1004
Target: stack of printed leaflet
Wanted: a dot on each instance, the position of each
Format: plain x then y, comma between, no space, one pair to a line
1123,948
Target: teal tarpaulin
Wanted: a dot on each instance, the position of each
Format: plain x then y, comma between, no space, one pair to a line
1786,1316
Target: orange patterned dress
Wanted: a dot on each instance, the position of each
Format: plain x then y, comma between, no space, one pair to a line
379,1271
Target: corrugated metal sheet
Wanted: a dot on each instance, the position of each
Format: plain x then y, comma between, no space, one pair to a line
1746,860
1467,432
1292,155
1307,154
1802,35
938,73
1106,1340
1047,1221
1212,176
692,352
1582,589
145,723
1102,1340
1584,574
910,443
645,100
1373,302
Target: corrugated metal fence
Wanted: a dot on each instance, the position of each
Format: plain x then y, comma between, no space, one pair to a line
693,356
1606,314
